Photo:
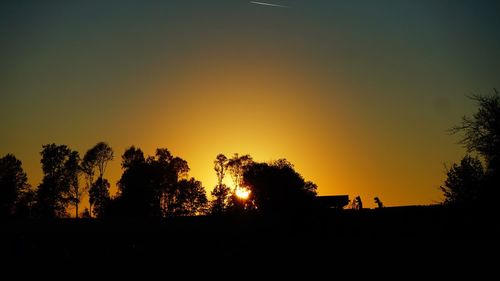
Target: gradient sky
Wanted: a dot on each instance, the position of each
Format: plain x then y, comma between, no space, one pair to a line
357,94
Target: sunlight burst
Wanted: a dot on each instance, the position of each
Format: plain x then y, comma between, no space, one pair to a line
242,193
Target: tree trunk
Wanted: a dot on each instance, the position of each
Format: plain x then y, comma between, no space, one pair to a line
76,207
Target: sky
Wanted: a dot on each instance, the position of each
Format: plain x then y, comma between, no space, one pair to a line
358,95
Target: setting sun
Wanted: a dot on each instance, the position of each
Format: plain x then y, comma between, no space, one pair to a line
357,96
242,193
201,133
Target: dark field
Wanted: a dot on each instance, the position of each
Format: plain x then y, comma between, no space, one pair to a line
339,236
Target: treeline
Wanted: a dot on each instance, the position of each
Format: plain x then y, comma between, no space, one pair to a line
154,186
475,181
159,186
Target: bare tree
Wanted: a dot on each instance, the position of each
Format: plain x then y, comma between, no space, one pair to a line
481,133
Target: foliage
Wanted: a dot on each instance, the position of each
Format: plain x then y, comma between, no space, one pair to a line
14,187
53,193
99,196
132,157
26,203
470,183
191,199
156,186
72,171
464,182
221,194
482,131
95,161
138,194
236,166
277,188
220,168
221,191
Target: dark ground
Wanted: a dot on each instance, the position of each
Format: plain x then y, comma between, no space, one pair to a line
389,235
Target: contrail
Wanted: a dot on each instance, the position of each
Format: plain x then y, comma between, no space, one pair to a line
269,4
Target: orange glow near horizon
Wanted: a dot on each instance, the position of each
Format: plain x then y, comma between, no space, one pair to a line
270,109
356,99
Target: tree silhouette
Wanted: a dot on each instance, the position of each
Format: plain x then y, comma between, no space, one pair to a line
51,200
482,131
138,196
156,186
310,187
277,188
14,187
103,154
221,191
72,171
88,168
236,166
132,157
378,202
53,193
96,160
26,203
238,205
481,134
464,182
168,170
221,195
191,198
220,167
99,196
